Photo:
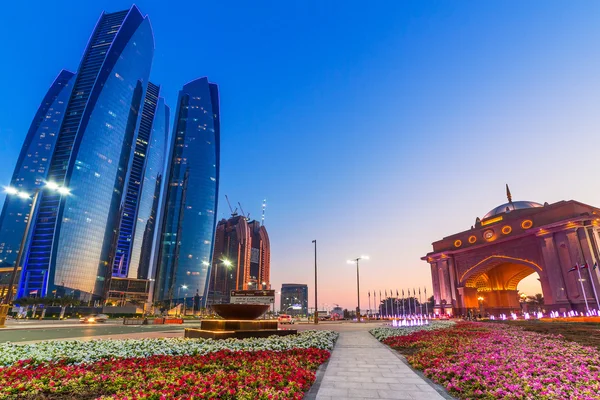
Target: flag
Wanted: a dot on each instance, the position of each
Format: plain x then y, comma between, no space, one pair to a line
575,268
414,293
369,294
584,266
595,265
402,293
380,295
419,291
391,293
33,291
397,295
386,293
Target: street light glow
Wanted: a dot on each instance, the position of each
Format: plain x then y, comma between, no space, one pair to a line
364,257
52,185
183,287
205,263
63,190
23,195
10,190
227,263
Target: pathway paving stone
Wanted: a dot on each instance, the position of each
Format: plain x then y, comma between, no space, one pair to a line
360,367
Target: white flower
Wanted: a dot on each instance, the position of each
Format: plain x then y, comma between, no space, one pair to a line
386,332
77,352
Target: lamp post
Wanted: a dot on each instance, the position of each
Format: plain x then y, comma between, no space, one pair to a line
480,298
24,195
184,287
225,262
358,284
316,301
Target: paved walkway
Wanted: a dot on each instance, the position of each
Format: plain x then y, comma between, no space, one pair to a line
362,368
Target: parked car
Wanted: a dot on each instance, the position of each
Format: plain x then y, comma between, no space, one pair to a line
285,319
92,319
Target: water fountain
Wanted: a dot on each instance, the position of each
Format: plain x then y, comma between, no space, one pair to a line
239,321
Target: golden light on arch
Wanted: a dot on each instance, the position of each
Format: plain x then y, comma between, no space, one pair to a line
527,224
457,243
472,239
506,229
529,263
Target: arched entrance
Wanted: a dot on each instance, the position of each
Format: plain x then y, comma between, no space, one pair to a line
480,268
490,286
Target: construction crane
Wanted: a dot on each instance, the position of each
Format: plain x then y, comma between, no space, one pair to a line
243,213
233,212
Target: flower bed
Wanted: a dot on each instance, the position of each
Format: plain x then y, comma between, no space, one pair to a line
385,332
491,361
223,374
76,351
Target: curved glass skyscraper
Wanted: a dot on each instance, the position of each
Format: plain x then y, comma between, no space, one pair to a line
188,232
32,165
73,233
143,186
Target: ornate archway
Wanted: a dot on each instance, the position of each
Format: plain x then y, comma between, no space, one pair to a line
490,285
514,240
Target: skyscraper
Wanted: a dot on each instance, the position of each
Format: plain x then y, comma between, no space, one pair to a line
145,168
73,233
187,240
32,165
241,259
294,299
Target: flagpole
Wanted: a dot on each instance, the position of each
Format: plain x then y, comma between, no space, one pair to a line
582,288
426,303
403,309
587,237
420,302
409,310
593,286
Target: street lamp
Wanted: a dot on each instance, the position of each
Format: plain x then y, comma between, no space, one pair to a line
356,260
184,287
227,264
480,298
316,301
11,191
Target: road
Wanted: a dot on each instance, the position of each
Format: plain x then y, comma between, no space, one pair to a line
34,331
31,331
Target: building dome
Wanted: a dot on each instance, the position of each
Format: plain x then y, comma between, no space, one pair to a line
516,205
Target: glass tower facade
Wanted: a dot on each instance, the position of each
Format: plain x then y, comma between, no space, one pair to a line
141,183
188,233
145,237
73,234
32,165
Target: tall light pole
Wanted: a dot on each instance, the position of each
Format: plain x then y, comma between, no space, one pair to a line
316,301
184,287
23,195
225,262
356,260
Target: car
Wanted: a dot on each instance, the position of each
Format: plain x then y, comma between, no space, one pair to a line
94,318
285,319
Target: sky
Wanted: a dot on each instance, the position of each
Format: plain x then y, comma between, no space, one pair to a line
372,127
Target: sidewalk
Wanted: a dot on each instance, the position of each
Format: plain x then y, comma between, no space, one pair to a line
362,368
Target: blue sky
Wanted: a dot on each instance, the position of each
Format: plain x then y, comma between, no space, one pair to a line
373,128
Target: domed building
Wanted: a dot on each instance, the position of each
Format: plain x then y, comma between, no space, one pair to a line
478,270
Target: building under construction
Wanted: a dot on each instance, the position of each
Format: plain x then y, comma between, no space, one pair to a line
241,260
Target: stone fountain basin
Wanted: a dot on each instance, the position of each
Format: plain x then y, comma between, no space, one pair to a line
240,311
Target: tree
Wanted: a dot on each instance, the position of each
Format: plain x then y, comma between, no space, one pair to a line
65,302
537,300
